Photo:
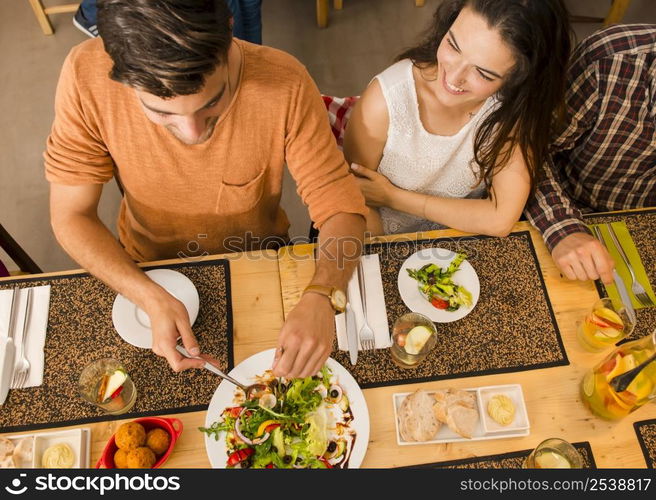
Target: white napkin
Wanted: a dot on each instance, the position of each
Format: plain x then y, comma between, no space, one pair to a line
376,310
36,330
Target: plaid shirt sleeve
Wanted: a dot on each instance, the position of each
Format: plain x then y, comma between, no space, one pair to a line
551,210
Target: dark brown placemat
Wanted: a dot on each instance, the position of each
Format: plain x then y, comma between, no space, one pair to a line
512,328
80,330
513,460
646,432
642,227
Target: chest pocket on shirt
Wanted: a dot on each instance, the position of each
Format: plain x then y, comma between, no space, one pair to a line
239,198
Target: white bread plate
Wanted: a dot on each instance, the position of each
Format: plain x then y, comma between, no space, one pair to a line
486,428
78,439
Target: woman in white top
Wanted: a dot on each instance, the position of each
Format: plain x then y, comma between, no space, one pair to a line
454,134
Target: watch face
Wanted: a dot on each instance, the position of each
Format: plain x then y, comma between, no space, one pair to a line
339,299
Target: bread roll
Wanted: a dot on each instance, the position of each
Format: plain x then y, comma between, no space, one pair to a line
417,421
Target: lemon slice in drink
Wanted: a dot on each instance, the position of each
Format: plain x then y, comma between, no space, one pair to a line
609,315
552,460
589,384
416,339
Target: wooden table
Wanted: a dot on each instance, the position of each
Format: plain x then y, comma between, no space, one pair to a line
257,319
552,394
265,284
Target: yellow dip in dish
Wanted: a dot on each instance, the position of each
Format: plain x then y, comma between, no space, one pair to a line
58,456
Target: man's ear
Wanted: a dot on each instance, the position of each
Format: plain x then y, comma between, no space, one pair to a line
232,23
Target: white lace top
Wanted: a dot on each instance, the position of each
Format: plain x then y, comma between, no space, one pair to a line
416,160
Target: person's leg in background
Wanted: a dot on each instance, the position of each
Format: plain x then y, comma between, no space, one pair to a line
247,15
85,18
251,15
238,25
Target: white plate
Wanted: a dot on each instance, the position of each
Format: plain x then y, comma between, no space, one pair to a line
133,324
247,370
78,439
415,300
519,427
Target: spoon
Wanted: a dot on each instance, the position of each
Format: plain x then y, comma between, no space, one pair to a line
621,382
208,366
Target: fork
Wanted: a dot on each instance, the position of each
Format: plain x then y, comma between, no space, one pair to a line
637,289
366,334
23,365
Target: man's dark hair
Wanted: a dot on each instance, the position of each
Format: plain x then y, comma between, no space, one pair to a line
165,47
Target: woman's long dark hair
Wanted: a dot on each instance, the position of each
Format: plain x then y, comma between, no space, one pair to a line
532,97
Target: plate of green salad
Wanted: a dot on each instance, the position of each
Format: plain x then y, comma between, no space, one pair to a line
439,283
319,422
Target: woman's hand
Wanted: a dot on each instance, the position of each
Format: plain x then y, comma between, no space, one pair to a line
376,188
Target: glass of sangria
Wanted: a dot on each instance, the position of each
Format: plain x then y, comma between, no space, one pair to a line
600,397
604,326
413,337
106,384
554,453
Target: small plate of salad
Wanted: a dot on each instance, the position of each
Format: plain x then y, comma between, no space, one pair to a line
439,283
319,422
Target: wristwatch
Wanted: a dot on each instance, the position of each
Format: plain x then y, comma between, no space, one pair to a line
337,297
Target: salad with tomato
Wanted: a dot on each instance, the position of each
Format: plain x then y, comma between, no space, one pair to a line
301,423
437,285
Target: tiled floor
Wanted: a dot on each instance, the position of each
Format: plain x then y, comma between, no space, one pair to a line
361,40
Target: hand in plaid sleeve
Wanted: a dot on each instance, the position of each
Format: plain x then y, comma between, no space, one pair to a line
575,251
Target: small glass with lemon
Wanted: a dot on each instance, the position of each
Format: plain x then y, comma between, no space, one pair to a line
604,326
413,337
554,453
602,399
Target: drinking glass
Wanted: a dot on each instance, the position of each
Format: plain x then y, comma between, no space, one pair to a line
413,337
554,453
604,326
106,384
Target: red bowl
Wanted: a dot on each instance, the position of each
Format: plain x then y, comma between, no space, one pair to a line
172,426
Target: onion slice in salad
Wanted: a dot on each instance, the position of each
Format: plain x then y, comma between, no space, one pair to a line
241,436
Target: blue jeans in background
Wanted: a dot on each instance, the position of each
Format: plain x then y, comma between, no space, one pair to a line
246,13
248,19
89,10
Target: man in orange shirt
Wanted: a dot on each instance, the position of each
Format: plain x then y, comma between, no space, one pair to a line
197,126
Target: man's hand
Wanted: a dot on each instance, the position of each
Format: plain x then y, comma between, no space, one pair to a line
580,256
169,320
306,338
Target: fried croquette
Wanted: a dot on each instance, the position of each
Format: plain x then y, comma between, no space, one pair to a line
141,458
158,440
121,459
130,435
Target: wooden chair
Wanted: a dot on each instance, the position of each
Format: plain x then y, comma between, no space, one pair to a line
42,13
615,14
323,8
17,254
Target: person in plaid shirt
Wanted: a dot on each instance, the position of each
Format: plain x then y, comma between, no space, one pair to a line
604,158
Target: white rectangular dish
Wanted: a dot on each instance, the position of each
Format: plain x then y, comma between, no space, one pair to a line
486,428
78,439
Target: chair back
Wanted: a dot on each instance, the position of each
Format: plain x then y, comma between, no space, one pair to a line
339,110
17,254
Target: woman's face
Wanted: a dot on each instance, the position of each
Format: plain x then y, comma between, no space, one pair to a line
472,61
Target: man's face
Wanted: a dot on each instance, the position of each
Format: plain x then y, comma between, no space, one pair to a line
191,118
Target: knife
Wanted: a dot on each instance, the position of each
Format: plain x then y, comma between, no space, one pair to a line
619,284
624,295
8,350
351,334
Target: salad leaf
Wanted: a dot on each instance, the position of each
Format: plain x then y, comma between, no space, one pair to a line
437,282
293,432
